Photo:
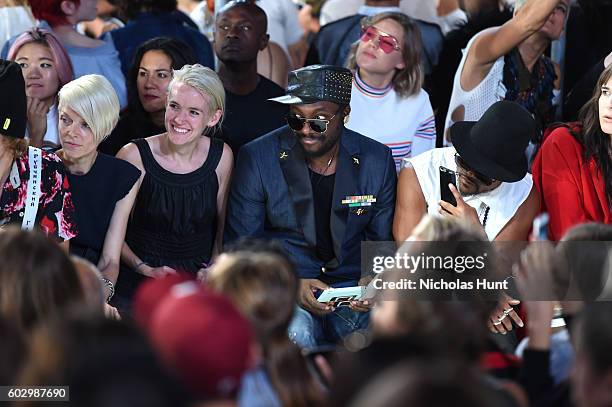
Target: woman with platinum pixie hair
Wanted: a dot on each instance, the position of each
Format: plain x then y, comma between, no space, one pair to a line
178,217
103,187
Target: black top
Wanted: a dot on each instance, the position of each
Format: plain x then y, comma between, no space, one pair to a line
322,195
174,220
95,196
250,116
129,128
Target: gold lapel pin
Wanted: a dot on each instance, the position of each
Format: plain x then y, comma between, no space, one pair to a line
359,212
283,155
355,160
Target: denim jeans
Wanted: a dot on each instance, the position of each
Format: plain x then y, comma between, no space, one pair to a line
309,331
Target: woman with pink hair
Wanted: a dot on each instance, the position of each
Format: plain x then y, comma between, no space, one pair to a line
88,55
46,67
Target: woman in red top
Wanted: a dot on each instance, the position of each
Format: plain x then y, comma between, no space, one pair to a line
573,169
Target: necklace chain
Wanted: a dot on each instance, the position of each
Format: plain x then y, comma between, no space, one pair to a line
323,173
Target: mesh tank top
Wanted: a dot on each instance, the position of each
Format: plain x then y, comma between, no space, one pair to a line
476,101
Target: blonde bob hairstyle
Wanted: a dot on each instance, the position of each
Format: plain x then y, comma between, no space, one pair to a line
94,99
207,83
407,81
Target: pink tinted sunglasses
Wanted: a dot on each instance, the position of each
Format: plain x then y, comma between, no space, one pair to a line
386,42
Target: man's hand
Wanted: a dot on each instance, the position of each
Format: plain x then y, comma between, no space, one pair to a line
501,319
306,298
362,306
461,211
37,120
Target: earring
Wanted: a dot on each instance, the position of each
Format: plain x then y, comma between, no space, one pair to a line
347,118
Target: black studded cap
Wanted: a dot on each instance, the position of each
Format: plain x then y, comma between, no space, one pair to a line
317,83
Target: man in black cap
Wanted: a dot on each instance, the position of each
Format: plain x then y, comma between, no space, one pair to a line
34,190
494,190
320,189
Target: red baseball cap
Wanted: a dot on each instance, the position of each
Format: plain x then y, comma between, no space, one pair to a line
203,338
151,292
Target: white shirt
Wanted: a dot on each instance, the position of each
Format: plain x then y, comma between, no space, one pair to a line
13,21
283,26
503,201
406,125
333,10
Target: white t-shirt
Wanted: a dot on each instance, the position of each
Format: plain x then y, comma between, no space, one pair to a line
503,201
283,26
13,21
405,125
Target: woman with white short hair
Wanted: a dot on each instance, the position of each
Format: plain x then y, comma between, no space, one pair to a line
103,187
178,217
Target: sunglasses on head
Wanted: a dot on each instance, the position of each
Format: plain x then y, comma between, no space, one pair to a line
482,178
297,123
386,42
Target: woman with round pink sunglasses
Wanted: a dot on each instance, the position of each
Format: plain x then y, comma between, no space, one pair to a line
387,101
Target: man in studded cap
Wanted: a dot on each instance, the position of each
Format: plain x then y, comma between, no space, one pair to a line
320,189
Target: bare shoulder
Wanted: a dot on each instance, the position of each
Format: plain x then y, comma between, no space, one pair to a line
226,163
130,153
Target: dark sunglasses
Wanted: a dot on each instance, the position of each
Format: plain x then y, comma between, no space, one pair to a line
482,178
386,42
297,123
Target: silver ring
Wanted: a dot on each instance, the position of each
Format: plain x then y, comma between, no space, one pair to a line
508,311
500,319
497,323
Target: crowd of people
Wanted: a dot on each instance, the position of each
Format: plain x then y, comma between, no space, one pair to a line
183,181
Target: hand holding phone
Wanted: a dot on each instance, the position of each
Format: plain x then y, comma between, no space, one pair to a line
447,176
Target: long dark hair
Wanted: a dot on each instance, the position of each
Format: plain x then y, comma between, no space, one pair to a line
595,142
264,288
180,54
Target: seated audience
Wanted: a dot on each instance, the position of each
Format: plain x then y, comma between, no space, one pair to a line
46,68
103,187
178,217
240,34
573,169
494,191
45,202
264,288
387,86
147,84
149,19
295,185
37,279
88,56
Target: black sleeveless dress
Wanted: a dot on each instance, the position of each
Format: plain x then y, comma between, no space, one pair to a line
174,220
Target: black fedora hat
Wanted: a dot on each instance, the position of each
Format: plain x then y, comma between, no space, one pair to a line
317,83
495,145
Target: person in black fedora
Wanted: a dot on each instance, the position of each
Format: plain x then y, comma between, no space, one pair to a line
494,190
35,192
320,189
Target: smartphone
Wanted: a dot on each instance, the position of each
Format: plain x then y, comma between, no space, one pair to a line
447,176
540,227
341,297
